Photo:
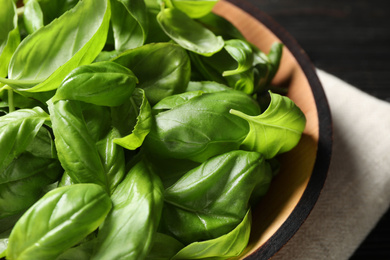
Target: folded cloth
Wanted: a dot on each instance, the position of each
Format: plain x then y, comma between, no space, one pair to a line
356,193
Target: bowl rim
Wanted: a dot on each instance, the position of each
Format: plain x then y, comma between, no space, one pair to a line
325,138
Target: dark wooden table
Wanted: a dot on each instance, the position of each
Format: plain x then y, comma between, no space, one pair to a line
350,39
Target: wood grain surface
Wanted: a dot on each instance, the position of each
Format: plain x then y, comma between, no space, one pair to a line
350,39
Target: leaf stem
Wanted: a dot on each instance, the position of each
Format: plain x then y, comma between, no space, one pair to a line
11,105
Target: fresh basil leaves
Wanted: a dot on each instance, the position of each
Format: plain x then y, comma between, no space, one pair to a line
134,130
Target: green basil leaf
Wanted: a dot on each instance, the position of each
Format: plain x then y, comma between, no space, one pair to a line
9,34
24,181
170,170
188,33
220,26
142,127
7,223
51,9
76,148
193,8
223,247
137,204
208,72
81,252
188,130
241,51
74,39
277,130
97,119
231,66
17,130
32,16
214,197
176,100
113,158
206,86
267,65
65,180
104,83
164,247
58,221
162,69
43,145
243,82
129,23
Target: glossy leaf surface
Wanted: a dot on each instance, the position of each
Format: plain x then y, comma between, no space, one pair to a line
188,33
62,218
142,126
277,130
77,150
32,16
164,247
24,181
162,69
9,34
113,158
103,83
17,130
194,8
223,247
188,130
130,23
242,53
137,204
213,198
74,39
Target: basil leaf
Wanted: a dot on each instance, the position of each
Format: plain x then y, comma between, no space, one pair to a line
277,130
223,247
231,66
81,252
24,181
267,65
214,197
17,130
76,148
193,8
220,26
51,9
242,53
164,247
176,100
104,83
142,127
170,170
32,16
188,33
58,221
162,69
113,158
137,204
188,131
9,34
97,120
74,39
206,86
129,23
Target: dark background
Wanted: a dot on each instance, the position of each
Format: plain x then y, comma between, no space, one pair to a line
349,39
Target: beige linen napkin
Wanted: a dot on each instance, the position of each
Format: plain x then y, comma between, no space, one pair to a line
357,190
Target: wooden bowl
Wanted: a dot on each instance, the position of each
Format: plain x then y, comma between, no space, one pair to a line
295,190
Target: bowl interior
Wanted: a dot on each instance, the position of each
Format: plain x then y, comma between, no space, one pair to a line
290,184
